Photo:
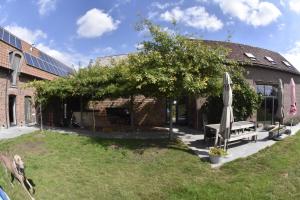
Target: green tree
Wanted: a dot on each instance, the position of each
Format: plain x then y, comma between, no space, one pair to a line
172,65
169,65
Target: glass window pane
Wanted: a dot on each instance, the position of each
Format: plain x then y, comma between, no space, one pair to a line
41,64
28,59
1,33
18,43
35,63
260,89
274,91
6,36
12,40
268,90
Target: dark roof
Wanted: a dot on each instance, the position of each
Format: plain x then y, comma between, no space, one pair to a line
237,52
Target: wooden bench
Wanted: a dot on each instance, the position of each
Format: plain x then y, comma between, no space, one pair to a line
240,130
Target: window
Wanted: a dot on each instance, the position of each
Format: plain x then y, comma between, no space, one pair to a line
15,62
287,64
267,90
270,60
250,55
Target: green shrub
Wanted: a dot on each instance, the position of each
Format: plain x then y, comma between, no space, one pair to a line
215,151
294,120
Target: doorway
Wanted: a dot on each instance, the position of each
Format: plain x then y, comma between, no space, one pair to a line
28,110
268,108
179,107
12,110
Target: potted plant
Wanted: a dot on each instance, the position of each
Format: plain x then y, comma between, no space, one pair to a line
215,154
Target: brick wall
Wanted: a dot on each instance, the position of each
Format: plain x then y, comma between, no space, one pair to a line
147,111
27,73
20,92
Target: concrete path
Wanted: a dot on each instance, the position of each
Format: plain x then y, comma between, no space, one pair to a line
239,149
16,131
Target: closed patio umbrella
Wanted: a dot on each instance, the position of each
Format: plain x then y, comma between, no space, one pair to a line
227,114
280,109
293,108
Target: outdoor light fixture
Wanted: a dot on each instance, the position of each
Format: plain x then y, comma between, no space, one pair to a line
32,46
175,102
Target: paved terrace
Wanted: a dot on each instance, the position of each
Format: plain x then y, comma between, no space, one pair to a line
238,149
16,131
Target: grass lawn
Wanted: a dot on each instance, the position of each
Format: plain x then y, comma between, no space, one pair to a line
75,167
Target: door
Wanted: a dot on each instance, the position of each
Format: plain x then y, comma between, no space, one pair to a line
28,110
12,110
268,108
179,107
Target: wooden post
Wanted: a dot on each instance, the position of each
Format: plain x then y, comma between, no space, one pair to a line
41,116
131,107
94,120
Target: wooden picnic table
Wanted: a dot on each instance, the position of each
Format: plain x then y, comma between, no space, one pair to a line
239,130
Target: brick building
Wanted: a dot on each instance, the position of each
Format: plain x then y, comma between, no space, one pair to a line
20,63
263,68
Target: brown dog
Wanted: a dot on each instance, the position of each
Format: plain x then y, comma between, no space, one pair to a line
17,170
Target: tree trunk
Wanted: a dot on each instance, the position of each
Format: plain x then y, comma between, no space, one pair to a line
94,120
41,116
81,110
171,133
131,112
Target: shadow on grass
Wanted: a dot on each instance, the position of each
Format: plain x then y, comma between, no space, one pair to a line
139,145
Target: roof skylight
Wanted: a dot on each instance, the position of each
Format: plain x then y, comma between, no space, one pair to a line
287,63
270,59
250,55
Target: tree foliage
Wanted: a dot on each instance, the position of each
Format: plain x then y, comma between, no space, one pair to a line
245,100
168,65
172,65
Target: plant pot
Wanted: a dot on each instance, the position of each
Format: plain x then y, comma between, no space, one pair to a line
215,159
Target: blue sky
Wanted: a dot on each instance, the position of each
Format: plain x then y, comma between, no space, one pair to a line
79,30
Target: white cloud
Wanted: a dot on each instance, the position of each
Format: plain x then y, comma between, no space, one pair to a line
253,12
46,6
293,55
26,34
104,51
294,5
153,14
94,23
196,17
163,6
69,57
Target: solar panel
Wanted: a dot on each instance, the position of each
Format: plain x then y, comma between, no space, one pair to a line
40,62
1,33
28,59
35,63
6,36
18,44
47,65
56,70
52,69
10,39
54,66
